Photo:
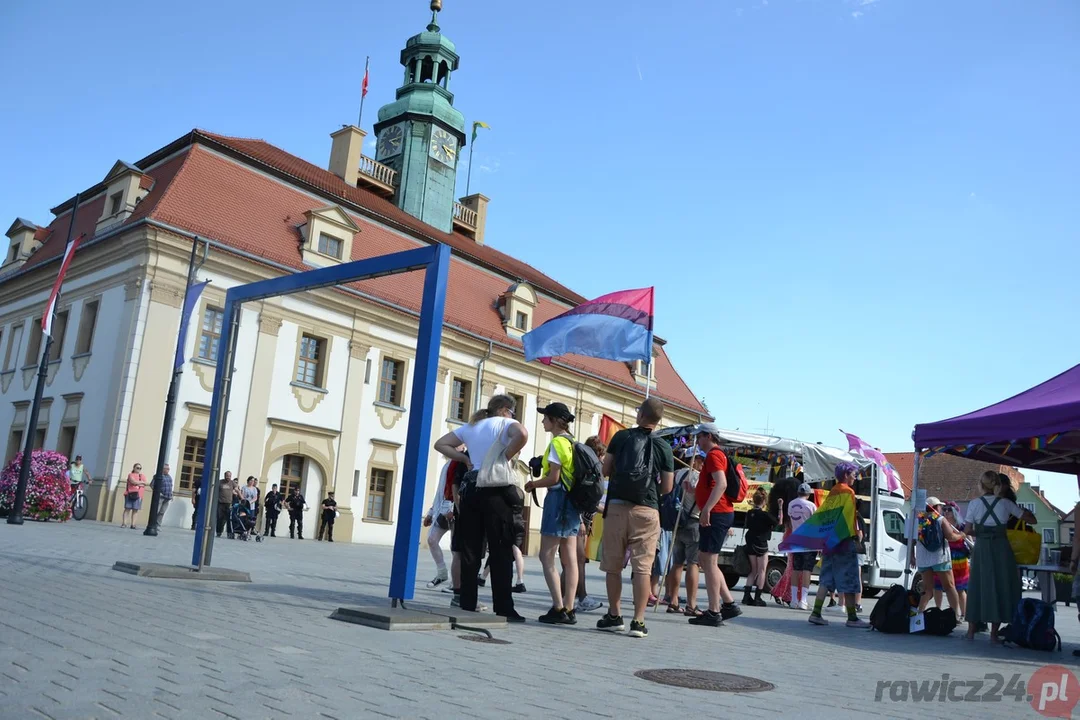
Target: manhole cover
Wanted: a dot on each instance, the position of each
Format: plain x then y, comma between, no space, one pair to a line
705,680
482,639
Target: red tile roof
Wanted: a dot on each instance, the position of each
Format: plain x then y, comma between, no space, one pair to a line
905,465
225,199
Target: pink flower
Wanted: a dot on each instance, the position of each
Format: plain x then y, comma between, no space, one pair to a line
48,493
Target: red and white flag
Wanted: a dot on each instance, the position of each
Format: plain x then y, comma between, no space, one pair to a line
47,316
363,87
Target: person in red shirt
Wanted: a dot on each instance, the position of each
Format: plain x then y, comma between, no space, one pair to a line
717,517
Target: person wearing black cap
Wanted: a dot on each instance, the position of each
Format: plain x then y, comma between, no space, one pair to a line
561,520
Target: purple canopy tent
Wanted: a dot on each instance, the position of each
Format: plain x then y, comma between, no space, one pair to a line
1039,429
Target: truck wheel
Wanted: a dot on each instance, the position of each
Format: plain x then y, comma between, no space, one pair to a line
731,577
871,592
773,572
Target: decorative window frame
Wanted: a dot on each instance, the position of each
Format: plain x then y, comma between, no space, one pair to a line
518,298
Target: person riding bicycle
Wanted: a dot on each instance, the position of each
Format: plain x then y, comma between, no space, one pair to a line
78,474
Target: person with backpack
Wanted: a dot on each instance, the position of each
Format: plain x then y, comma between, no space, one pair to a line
931,554
490,500
640,468
561,521
715,495
840,565
585,603
684,552
994,586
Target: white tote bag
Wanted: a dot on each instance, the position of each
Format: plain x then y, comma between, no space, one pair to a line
496,470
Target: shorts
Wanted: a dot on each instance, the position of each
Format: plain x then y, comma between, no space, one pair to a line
684,549
630,528
756,550
939,568
560,519
712,538
803,561
840,572
135,504
663,552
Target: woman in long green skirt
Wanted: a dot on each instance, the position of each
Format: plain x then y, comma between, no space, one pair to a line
994,588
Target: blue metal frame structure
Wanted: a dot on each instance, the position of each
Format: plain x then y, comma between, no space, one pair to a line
435,262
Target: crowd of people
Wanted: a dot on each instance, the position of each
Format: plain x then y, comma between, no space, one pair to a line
966,563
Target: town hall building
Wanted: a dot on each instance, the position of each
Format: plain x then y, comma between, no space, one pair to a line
322,381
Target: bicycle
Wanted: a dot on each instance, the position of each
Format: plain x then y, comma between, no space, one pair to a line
79,503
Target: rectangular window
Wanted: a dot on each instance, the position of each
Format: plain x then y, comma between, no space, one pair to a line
380,487
309,366
13,253
39,438
15,445
460,398
59,329
367,371
1072,534
116,201
191,463
85,340
519,405
391,381
522,321
66,444
356,483
292,473
210,333
14,340
1030,507
1048,536
33,348
330,246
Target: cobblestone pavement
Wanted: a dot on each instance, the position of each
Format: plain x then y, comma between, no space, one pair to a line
80,640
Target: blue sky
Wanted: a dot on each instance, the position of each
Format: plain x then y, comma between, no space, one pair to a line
857,213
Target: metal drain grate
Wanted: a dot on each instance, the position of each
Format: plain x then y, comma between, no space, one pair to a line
705,680
482,639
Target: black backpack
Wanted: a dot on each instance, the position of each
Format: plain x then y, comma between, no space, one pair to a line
931,536
671,507
1032,626
938,621
633,472
586,487
892,613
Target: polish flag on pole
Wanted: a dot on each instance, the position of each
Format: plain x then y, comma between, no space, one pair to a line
47,316
363,87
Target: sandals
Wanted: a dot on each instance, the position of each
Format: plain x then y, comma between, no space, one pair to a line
674,609
692,612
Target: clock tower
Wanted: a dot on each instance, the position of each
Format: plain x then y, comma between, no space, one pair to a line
420,135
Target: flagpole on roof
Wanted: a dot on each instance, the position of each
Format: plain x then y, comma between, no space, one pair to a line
15,517
363,92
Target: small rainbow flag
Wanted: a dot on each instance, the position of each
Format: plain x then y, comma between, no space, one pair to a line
1053,438
832,524
1038,443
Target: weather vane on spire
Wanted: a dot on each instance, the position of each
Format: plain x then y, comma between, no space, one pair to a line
436,7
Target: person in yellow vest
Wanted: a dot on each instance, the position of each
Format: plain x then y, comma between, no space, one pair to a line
561,520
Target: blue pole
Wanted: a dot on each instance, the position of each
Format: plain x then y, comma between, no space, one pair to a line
421,411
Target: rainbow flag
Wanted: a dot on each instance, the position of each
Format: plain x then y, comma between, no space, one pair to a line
1038,443
833,523
608,428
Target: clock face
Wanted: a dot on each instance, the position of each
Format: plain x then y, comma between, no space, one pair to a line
390,142
444,147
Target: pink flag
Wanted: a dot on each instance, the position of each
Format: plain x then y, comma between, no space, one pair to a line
858,446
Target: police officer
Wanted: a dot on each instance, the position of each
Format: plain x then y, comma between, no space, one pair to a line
272,506
329,514
296,505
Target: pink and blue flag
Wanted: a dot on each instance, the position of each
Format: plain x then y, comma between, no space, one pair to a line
617,326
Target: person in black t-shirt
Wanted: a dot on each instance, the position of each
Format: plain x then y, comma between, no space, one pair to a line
759,528
329,514
272,506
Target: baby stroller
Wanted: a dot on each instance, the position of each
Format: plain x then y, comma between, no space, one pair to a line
242,523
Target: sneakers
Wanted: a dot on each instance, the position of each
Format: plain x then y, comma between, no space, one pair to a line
818,620
515,618
730,610
519,588
803,605
608,623
456,602
555,616
437,581
708,619
571,617
450,591
857,623
480,581
638,629
587,604
858,608
832,602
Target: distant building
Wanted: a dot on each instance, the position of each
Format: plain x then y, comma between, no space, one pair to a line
1031,497
948,477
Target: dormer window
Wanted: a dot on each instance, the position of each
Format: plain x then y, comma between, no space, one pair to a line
639,369
326,238
13,253
116,202
25,238
125,186
517,305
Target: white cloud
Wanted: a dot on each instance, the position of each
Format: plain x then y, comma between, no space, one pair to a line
866,2
971,195
856,14
490,167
